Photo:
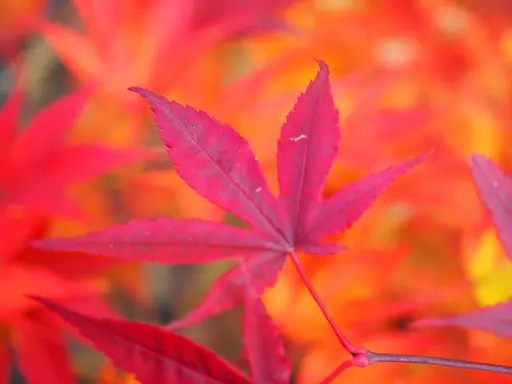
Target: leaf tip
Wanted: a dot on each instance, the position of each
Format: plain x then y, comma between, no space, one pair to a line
421,158
323,66
137,89
42,301
477,159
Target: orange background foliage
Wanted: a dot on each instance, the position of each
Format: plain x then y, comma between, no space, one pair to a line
423,74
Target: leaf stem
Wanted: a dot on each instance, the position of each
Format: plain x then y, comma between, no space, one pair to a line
395,358
343,340
334,375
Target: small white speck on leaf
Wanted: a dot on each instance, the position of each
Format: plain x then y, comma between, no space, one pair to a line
258,189
301,137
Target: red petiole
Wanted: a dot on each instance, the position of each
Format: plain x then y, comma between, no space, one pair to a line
363,358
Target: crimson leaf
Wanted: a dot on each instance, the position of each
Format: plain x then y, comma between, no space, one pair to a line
495,189
153,355
219,164
496,319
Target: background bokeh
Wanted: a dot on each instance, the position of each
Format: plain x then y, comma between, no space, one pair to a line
79,152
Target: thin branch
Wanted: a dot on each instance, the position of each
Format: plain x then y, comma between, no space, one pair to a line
338,371
343,340
394,358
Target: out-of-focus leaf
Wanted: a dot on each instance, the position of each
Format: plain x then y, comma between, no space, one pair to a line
38,164
495,319
495,190
42,355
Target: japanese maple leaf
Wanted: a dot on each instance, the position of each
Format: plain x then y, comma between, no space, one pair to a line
496,319
237,16
263,345
24,327
146,31
152,354
495,190
34,337
219,164
38,164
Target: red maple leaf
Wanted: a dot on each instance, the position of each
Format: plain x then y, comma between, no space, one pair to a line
263,345
157,356
147,31
219,164
495,319
495,190
38,166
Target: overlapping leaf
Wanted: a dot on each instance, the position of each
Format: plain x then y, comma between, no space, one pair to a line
16,24
38,167
153,354
146,31
219,164
496,319
34,337
495,189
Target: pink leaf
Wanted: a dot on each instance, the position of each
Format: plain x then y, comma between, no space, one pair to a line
307,149
338,212
264,346
496,319
495,189
42,356
153,355
166,240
